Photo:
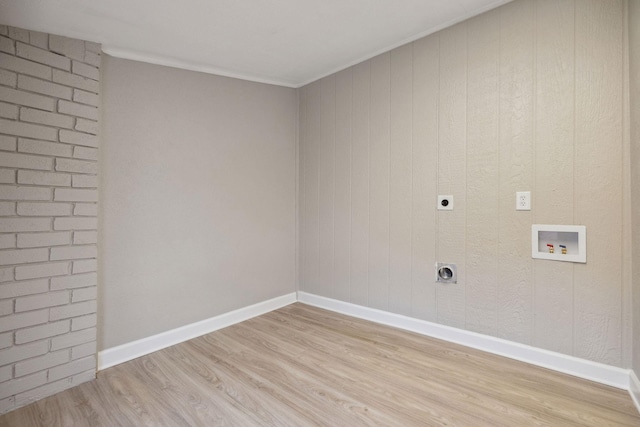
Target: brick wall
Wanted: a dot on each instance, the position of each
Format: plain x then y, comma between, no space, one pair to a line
49,97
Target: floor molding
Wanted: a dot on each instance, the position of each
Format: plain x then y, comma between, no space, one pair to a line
605,374
598,372
125,352
634,389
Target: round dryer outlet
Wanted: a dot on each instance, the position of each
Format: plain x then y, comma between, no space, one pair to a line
446,273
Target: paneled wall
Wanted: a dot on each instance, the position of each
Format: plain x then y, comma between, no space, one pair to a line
527,97
49,99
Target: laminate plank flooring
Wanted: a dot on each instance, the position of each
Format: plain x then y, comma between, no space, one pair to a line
303,366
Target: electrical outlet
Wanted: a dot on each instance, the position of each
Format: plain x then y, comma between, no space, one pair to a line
523,200
445,203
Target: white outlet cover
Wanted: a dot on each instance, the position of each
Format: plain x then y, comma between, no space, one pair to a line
523,200
445,203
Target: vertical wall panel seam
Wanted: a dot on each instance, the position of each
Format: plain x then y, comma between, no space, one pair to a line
573,183
349,252
318,160
300,202
626,346
303,244
534,104
627,332
333,199
499,163
389,140
466,168
466,173
437,166
308,160
532,181
369,184
411,204
304,220
622,179
296,198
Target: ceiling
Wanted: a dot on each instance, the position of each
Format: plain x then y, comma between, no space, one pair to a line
283,42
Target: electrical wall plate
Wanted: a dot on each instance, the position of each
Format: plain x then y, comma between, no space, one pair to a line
523,200
445,203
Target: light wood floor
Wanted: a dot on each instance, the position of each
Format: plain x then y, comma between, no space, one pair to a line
301,366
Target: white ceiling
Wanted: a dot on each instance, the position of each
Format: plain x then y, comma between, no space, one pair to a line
283,42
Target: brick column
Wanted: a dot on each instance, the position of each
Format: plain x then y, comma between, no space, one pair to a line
49,99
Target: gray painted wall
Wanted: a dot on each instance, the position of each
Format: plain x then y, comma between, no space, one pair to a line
634,95
197,197
528,96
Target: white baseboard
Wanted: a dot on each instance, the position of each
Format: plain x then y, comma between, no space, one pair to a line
598,372
605,374
634,389
125,352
